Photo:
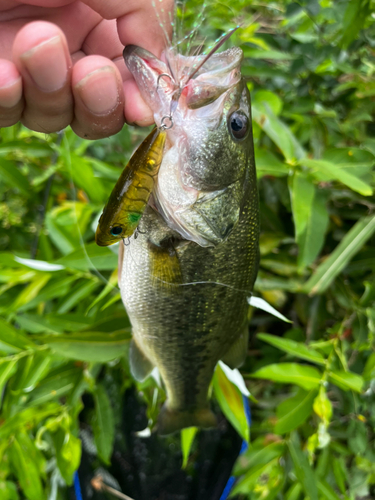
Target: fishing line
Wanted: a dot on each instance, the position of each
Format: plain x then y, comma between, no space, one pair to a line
191,283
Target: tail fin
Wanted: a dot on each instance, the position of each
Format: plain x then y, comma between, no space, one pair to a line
170,421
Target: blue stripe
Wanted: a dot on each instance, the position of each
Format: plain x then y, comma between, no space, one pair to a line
77,486
244,447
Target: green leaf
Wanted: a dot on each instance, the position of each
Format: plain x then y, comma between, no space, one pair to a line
80,292
58,286
30,147
38,265
347,381
369,369
274,55
297,349
31,291
36,367
10,172
91,257
340,472
352,242
89,346
67,224
323,406
83,176
306,377
268,164
302,468
231,402
21,455
294,411
310,218
54,323
111,285
103,424
327,492
294,492
354,20
7,368
302,197
12,340
278,132
264,100
331,171
59,382
356,161
68,453
256,456
28,418
187,438
8,490
312,240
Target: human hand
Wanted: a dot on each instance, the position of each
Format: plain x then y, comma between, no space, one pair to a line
61,63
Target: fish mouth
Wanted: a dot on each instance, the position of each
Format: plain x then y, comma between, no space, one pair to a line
161,82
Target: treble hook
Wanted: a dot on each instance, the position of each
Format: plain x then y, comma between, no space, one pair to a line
164,125
162,74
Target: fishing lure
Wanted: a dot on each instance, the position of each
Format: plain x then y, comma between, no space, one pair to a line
132,191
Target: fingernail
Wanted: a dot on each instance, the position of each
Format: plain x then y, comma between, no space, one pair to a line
149,120
47,64
11,93
99,90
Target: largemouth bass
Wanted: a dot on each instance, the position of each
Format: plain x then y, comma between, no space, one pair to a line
186,277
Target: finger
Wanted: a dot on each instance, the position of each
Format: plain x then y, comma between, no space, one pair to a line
138,20
41,54
11,102
138,23
98,97
136,110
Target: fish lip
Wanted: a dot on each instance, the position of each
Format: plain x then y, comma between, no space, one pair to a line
128,50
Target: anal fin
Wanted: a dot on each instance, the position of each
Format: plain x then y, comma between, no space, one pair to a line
236,355
140,365
170,421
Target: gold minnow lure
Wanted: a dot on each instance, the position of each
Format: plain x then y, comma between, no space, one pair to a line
131,193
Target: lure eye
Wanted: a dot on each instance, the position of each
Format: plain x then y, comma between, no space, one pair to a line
116,230
238,123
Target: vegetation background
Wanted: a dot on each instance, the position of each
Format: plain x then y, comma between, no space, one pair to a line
64,333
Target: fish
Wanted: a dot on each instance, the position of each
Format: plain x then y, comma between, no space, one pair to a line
185,278
132,191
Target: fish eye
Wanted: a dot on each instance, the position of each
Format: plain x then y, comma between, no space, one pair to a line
116,230
238,125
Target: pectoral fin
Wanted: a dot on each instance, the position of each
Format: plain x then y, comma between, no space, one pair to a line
237,353
140,365
166,271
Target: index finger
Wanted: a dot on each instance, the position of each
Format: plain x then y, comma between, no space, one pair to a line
139,22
